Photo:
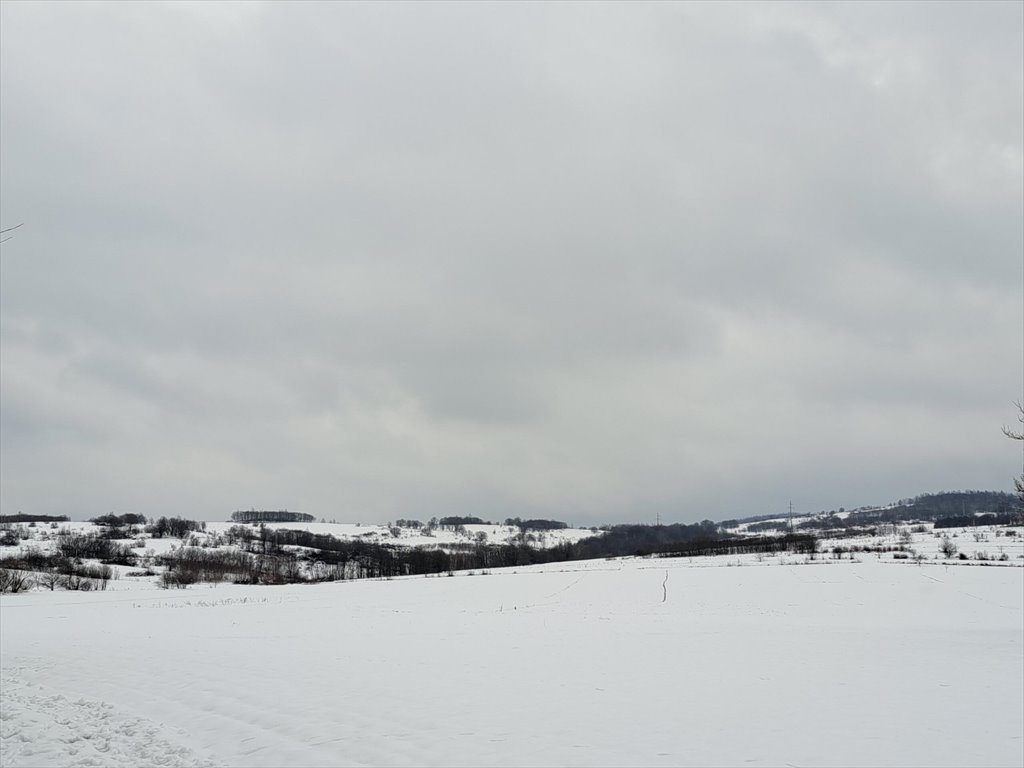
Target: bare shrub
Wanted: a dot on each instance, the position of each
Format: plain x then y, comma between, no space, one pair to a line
71,582
948,548
14,581
191,564
175,580
84,547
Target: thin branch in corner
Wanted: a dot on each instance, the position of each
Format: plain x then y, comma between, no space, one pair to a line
10,229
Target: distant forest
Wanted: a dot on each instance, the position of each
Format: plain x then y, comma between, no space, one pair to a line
22,518
946,509
267,516
946,504
935,507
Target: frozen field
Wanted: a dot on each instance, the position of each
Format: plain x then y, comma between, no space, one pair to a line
634,662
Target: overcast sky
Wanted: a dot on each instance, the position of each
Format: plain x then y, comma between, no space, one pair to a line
596,262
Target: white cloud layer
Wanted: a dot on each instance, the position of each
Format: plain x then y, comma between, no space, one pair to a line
590,261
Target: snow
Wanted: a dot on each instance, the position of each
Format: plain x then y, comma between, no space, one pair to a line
378,534
40,728
409,537
778,661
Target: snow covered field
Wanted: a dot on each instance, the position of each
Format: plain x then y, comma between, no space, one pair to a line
619,662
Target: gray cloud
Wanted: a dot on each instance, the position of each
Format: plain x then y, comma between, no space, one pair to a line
592,261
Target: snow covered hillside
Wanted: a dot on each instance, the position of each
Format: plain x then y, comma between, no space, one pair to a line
779,661
45,536
438,537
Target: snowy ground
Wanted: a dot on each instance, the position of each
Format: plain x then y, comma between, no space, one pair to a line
43,537
631,662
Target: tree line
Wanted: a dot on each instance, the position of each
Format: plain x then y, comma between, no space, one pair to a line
537,524
966,521
270,516
276,553
24,518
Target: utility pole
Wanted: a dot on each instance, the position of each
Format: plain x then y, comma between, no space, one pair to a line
790,516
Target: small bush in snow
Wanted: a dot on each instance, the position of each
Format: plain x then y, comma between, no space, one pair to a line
175,579
948,548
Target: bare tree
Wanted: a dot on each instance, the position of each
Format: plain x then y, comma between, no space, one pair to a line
9,229
1018,482
50,579
14,581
